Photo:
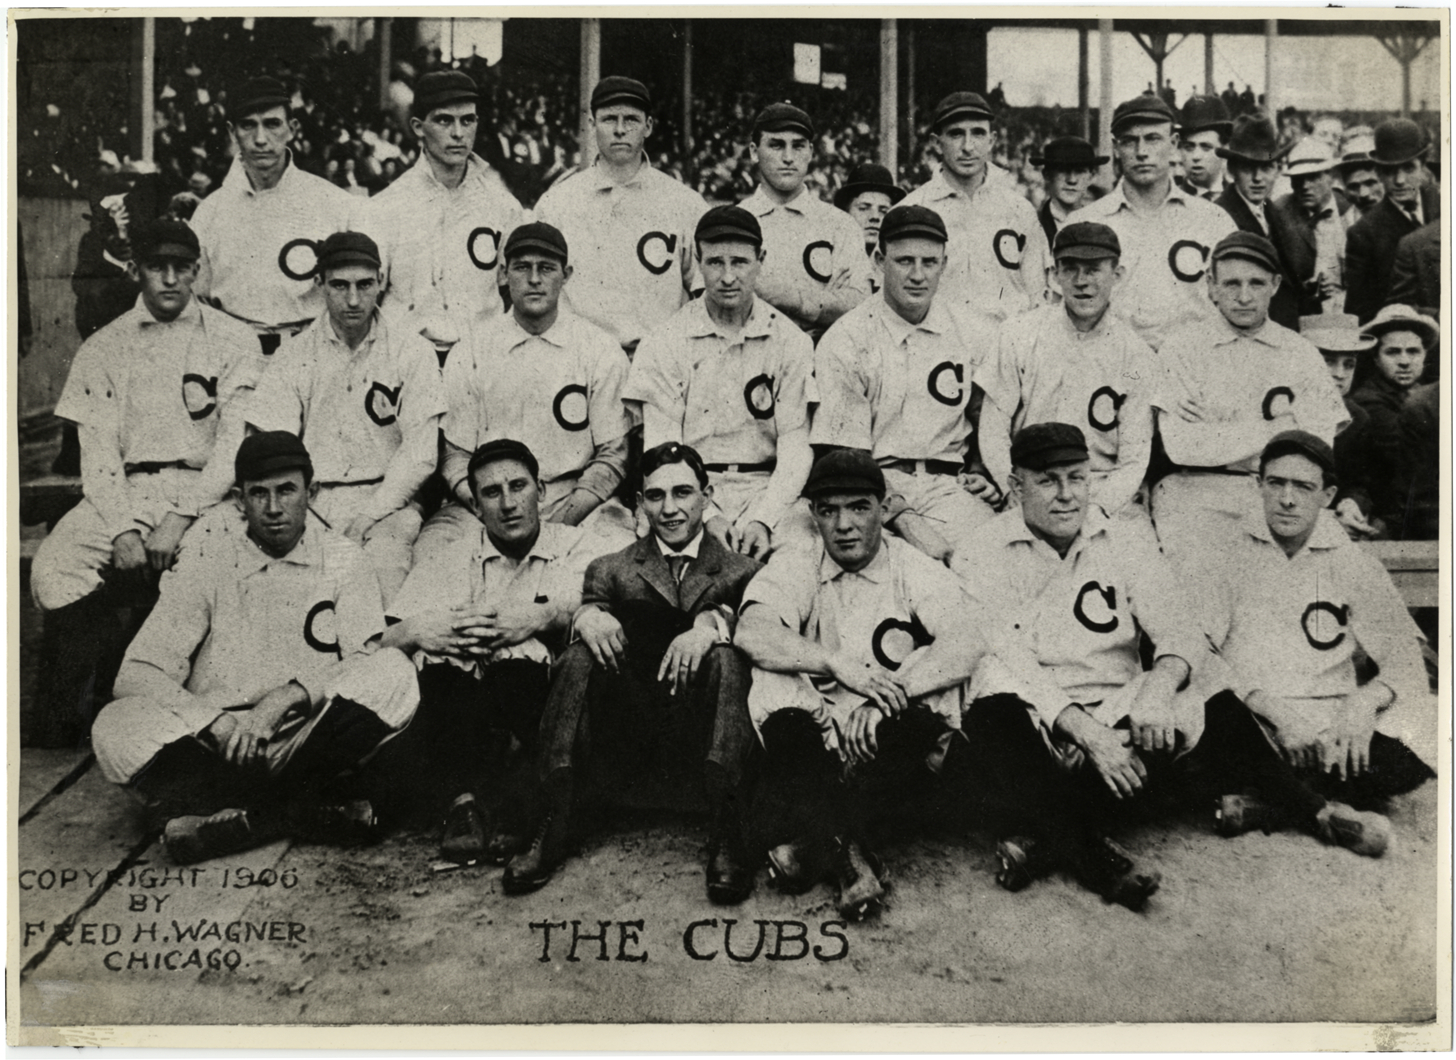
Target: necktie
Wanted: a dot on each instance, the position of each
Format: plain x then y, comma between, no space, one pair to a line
677,564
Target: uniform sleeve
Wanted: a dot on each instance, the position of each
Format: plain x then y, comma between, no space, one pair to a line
693,209
1036,258
1153,596
844,416
242,370
462,411
421,407
1208,444
276,403
609,419
202,227
92,401
1320,409
1135,428
654,381
792,455
1384,628
849,282
999,376
785,587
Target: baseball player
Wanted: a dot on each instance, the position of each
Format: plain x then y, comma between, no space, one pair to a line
1288,615
1068,165
861,649
484,620
687,375
153,393
1166,234
259,230
1228,387
364,394
629,225
894,379
441,225
1075,363
814,269
545,377
998,256
256,681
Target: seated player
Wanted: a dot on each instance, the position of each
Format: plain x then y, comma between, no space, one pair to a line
547,378
689,372
1337,336
258,681
1295,602
653,685
484,619
1076,362
861,648
153,394
364,395
894,376
1068,728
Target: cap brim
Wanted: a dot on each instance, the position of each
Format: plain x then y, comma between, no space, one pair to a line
912,231
1402,160
1337,342
449,96
272,465
169,250
726,234
1052,458
1242,254
1083,252
961,114
1432,334
843,484
1275,156
1308,169
534,244
787,126
1148,117
347,257
1095,162
615,98
846,195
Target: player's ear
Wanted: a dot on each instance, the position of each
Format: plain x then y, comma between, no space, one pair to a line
133,273
879,257
1277,280
1013,485
295,129
313,490
753,152
1118,272
1327,495
648,127
566,271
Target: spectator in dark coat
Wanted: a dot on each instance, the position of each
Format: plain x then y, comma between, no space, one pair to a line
1339,339
1310,225
1415,279
1419,426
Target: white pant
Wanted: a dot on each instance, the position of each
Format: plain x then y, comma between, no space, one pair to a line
128,733
945,504
389,543
1197,516
68,565
734,492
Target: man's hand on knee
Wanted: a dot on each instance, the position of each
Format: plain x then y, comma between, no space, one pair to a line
357,528
163,542
128,552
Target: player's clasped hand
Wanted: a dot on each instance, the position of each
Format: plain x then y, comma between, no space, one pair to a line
683,657
875,683
128,552
861,742
604,638
752,541
448,632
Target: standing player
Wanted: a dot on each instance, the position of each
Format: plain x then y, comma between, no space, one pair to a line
1076,363
259,231
1068,165
1229,386
814,269
442,224
895,377
688,372
1166,234
998,255
545,377
630,226
363,392
1253,156
1203,128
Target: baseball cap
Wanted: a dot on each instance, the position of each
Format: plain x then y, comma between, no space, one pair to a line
441,88
1144,108
164,238
269,452
868,177
1068,152
1086,241
1335,332
1403,318
845,471
258,93
537,235
503,449
778,117
347,248
1205,112
905,222
1303,443
724,223
1248,246
625,90
1039,446
958,106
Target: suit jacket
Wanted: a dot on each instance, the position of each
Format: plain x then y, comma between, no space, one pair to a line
1048,222
1294,235
1370,248
636,586
1415,279
1284,307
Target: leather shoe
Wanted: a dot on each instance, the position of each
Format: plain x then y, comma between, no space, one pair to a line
464,838
730,871
1362,831
1021,860
797,867
1234,815
861,894
534,869
189,840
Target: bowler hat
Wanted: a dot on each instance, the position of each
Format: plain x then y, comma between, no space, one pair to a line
1397,141
1254,140
958,106
845,471
1205,112
868,177
1145,108
1068,152
537,235
1039,446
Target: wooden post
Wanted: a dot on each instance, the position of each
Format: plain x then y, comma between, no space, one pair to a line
687,92
910,144
1271,34
591,73
889,92
1208,89
1084,84
1105,103
384,32
149,88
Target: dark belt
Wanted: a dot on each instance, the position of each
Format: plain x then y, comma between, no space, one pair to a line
356,482
767,465
1219,471
151,467
935,467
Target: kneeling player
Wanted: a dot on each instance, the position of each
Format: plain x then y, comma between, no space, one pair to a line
861,647
256,681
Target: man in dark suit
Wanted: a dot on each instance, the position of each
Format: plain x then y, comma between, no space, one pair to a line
1203,127
653,686
1415,279
1253,155
1308,228
1069,164
1412,200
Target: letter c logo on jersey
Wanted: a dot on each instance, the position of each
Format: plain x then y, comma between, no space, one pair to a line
391,403
1341,616
668,241
1111,395
1009,245
758,395
812,262
932,383
1109,600
310,632
559,409
473,239
894,639
1269,398
199,408
288,260
1187,259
